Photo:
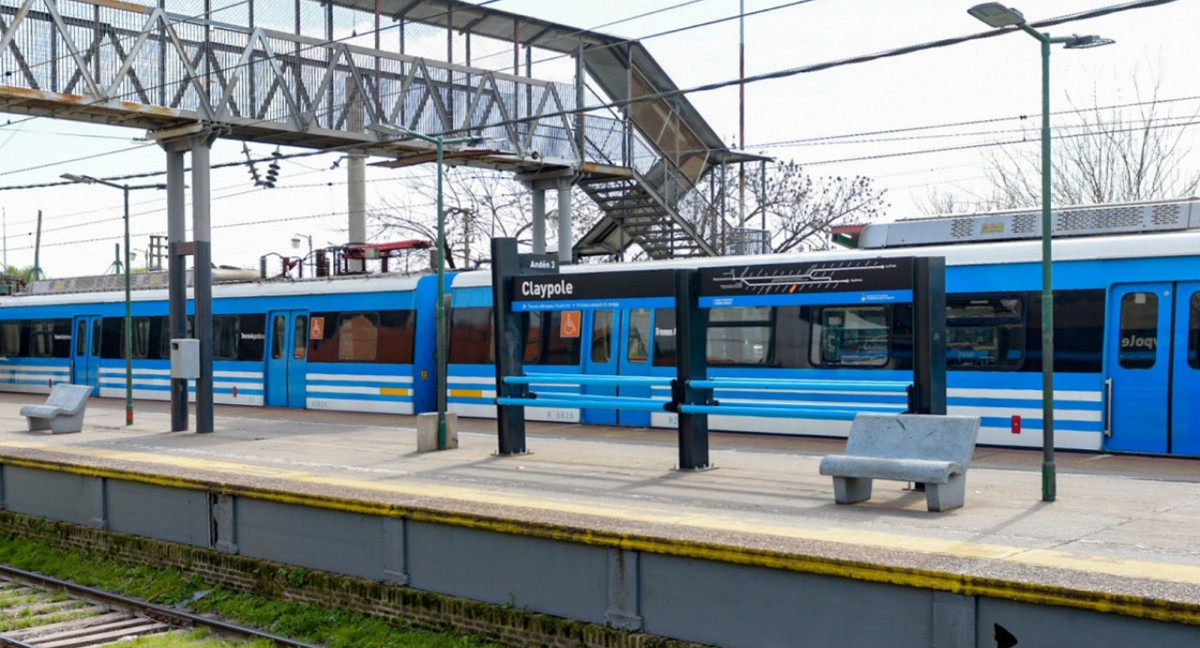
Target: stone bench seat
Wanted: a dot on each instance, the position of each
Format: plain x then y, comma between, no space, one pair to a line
914,470
62,412
926,449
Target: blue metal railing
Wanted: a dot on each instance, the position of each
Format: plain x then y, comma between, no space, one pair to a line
772,409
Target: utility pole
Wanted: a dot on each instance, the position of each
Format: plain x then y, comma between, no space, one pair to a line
37,248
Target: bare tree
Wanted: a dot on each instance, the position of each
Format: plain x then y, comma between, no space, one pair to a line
479,204
1113,154
938,202
799,209
482,204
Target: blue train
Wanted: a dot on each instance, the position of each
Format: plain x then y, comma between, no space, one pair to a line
1127,328
344,343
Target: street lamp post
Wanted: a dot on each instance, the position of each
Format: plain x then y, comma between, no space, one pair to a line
125,189
439,144
995,14
312,263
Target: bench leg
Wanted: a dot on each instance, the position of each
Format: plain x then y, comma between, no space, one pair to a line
943,497
37,423
67,424
848,490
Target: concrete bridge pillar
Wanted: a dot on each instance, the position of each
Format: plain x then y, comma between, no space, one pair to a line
198,140
539,183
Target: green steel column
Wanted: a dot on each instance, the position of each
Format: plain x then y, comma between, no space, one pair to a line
1048,470
128,321
441,307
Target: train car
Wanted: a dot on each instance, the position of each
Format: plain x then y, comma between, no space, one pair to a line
1126,320
1127,330
353,343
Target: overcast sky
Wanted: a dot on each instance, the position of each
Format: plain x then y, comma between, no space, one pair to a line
810,118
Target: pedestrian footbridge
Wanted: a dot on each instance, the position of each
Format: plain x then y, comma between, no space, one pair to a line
298,73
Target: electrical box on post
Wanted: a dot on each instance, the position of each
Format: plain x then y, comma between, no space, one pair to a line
185,358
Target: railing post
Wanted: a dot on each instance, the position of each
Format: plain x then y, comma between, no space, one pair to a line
509,348
691,362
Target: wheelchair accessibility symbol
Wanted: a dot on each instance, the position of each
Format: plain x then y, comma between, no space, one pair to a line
572,324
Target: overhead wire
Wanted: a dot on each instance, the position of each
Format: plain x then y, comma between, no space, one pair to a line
827,65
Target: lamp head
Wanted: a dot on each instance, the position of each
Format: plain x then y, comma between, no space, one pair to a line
295,242
994,14
1087,42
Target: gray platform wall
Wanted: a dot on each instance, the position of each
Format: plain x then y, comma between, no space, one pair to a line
679,596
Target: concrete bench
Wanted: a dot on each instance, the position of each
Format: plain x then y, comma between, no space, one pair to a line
63,410
932,450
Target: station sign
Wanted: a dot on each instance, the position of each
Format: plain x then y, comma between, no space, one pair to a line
640,289
880,280
534,264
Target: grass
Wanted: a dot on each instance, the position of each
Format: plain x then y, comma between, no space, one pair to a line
330,627
191,639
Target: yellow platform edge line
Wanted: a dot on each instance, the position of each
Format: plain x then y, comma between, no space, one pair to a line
966,585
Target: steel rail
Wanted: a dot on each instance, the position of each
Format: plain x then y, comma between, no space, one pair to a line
168,615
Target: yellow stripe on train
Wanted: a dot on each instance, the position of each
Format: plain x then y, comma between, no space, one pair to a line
395,391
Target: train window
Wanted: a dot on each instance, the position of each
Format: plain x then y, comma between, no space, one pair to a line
226,335
639,333
165,349
739,336
665,345
1193,350
471,336
790,337
533,336
985,332
357,337
300,345
278,336
42,347
10,338
560,350
602,324
1078,331
112,337
141,337
851,336
96,338
397,331
251,337
41,338
1139,330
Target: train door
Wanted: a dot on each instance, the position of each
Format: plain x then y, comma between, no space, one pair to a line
85,351
600,359
287,342
636,337
1185,371
1153,369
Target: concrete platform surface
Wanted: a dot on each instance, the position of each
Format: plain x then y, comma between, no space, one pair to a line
1121,525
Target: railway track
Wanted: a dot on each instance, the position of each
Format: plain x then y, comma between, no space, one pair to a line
38,611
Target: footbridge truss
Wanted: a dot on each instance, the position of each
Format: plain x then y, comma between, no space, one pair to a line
147,66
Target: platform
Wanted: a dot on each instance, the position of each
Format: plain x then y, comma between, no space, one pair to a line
1123,529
